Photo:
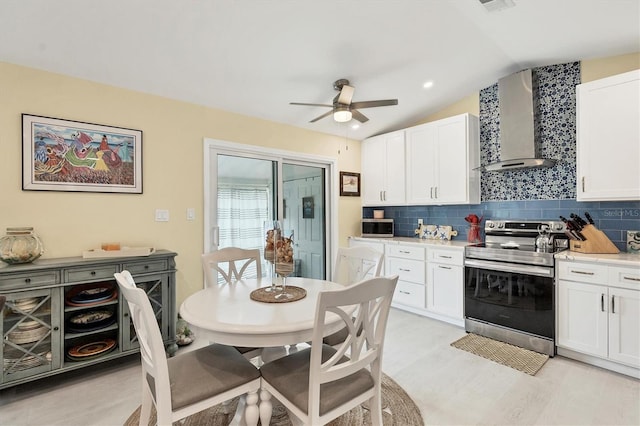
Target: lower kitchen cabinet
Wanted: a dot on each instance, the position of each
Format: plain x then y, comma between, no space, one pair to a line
67,313
599,315
408,262
445,275
430,276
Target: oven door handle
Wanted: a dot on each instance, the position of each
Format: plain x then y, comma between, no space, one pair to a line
539,271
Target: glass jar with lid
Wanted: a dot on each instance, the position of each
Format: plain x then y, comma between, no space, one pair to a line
20,245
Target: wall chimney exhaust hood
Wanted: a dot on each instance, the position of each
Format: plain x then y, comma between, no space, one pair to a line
518,148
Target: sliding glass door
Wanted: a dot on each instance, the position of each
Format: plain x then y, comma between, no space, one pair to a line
242,190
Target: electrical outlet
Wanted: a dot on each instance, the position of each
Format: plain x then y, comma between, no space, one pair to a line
420,222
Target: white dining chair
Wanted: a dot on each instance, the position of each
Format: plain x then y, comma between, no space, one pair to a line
189,382
320,383
354,264
226,262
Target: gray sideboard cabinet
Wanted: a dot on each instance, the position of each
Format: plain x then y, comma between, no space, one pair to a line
67,313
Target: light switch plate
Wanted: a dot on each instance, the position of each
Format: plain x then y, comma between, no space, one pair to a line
162,215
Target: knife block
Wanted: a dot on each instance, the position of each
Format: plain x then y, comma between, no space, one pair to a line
597,242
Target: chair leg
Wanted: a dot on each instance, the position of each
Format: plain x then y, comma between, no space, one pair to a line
251,412
145,409
266,407
375,409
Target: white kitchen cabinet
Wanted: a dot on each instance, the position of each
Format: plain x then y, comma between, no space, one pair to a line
408,262
383,165
441,158
608,138
598,313
445,292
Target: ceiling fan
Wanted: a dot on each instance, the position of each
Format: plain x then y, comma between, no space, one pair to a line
342,108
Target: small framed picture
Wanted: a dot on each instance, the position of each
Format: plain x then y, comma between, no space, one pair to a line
349,184
307,207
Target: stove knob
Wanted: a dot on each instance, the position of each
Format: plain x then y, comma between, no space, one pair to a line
559,227
491,224
501,225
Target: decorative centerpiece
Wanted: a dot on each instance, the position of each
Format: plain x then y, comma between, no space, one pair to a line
20,245
272,231
284,262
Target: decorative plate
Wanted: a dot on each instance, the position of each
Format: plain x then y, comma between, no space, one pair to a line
21,337
98,298
90,349
92,294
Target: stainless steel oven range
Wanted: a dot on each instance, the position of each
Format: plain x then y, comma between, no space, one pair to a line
509,282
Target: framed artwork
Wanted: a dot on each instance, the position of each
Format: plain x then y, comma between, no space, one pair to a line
350,184
65,155
307,207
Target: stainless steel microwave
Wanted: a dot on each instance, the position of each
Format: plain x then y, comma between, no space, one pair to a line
377,228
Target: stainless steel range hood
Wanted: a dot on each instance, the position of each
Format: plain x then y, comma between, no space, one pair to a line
518,148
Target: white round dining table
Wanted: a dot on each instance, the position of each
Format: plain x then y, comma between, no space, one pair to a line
226,314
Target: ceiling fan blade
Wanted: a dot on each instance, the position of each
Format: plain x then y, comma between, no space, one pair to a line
346,94
303,104
359,116
371,104
326,114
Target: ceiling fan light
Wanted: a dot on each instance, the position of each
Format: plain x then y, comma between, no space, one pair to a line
342,115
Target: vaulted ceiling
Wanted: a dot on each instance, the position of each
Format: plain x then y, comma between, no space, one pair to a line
253,57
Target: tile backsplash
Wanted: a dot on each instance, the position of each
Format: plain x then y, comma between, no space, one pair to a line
555,134
613,218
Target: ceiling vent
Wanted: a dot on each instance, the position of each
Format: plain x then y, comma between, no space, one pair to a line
497,5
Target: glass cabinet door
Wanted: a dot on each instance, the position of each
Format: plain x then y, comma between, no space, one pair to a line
157,289
30,327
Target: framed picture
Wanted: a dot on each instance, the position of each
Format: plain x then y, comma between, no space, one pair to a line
65,155
307,207
350,184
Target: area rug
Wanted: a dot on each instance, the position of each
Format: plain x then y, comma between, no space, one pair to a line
399,410
521,359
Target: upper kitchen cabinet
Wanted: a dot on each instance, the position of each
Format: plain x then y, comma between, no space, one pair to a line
441,158
608,138
383,177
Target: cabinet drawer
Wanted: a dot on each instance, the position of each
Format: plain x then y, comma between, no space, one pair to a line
89,274
406,252
144,267
625,277
449,257
583,272
30,279
407,270
409,294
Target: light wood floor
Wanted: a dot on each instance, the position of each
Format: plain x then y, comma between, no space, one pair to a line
450,386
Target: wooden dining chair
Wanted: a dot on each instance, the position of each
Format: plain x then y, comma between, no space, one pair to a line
189,382
226,262
354,264
321,383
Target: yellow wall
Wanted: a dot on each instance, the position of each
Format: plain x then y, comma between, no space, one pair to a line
594,69
173,132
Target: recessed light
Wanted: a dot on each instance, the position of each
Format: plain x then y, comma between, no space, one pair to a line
355,126
428,84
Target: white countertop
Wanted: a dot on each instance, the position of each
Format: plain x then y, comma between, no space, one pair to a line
622,259
458,244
